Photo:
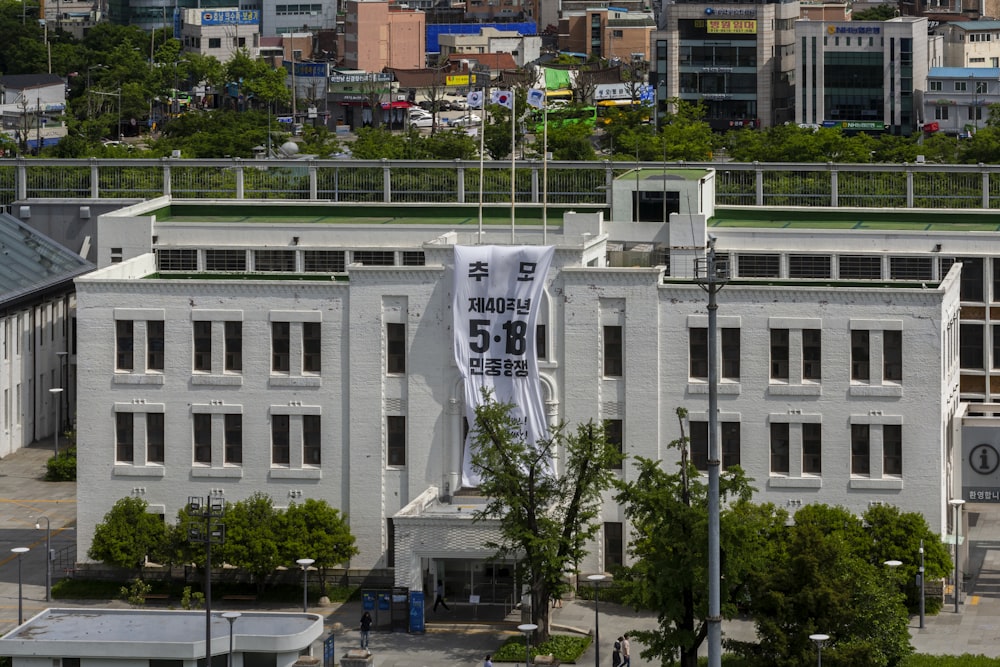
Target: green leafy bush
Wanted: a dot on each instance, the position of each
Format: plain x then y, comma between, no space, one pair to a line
566,648
62,468
135,593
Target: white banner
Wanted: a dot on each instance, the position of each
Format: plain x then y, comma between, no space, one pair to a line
498,293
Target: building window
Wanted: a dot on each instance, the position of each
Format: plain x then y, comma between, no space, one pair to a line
809,266
860,449
203,438
892,449
860,267
395,438
280,346
234,346
413,258
203,346
698,350
395,348
280,446
390,538
970,344
154,345
124,439
892,355
972,279
374,257
940,113
614,545
934,86
234,438
729,442
324,261
154,437
730,354
541,343
215,42
124,339
812,449
911,268
173,259
860,351
225,260
311,440
779,449
614,433
758,266
613,351
811,353
960,87
274,261
311,347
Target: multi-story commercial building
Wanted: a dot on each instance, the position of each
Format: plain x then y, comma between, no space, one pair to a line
969,43
220,33
379,35
862,75
738,59
525,48
611,33
308,350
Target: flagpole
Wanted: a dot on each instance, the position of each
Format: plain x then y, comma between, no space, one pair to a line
513,156
482,139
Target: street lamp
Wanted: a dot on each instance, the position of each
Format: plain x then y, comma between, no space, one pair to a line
208,530
920,584
48,556
820,640
56,393
20,551
597,579
305,563
231,616
957,504
527,629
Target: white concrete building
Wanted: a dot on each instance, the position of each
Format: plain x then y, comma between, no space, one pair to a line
221,32
153,638
861,75
306,353
958,99
525,48
970,43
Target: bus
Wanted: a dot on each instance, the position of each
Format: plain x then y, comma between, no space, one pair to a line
565,115
606,109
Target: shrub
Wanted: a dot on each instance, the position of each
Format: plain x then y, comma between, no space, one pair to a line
62,468
566,648
135,593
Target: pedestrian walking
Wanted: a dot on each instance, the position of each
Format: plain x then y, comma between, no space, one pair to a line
616,653
366,629
488,662
626,652
439,597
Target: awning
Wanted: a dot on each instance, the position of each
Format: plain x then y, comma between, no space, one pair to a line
402,104
558,94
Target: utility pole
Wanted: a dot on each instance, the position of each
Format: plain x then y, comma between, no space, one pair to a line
712,279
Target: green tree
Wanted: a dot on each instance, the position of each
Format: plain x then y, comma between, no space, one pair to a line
684,134
315,530
568,142
448,145
375,143
213,134
128,535
253,537
668,512
880,12
543,518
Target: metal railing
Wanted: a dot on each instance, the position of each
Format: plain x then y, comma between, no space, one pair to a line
400,181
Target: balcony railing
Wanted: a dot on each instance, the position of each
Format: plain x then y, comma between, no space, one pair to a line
927,186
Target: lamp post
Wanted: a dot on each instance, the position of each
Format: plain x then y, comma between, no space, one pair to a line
48,556
208,530
920,584
597,579
305,563
957,504
527,629
20,551
711,274
56,394
63,382
820,640
231,616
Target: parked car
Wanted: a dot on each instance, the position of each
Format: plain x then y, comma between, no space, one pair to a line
422,121
466,121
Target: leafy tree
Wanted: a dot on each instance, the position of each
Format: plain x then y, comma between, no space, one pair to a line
315,530
668,512
375,143
318,140
544,518
449,145
128,535
568,142
213,134
253,534
880,12
684,134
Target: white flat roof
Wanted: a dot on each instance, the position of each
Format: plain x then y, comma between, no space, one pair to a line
144,633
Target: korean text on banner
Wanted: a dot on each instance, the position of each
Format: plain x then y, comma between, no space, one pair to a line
498,292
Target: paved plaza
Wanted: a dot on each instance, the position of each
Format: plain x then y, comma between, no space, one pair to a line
452,637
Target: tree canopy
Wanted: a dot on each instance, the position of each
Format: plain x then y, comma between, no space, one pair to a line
544,519
129,535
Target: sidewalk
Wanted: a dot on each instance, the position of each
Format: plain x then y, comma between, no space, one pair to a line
453,637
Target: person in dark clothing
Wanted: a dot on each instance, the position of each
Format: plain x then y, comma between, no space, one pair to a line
439,597
616,653
366,629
